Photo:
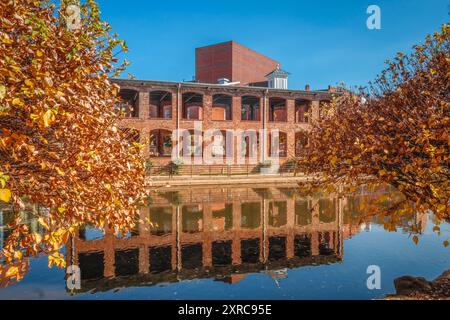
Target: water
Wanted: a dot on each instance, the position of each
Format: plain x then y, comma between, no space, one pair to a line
245,242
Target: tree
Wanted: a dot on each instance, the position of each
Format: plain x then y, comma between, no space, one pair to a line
395,131
60,145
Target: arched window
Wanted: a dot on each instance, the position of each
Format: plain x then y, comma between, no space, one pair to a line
160,143
277,110
160,105
222,106
302,111
282,145
192,106
129,103
250,108
301,142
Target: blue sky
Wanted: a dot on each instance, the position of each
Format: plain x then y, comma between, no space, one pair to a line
320,42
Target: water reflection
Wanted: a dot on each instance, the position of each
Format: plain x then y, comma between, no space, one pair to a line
222,233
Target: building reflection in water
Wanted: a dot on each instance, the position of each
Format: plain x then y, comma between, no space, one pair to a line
220,233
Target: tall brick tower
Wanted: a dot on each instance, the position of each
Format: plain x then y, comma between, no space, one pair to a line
234,62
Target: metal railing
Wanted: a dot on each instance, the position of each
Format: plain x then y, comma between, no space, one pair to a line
191,170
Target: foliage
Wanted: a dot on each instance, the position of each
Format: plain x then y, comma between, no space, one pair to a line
175,166
395,131
59,141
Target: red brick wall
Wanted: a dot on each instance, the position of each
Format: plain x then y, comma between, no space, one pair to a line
232,61
213,62
250,66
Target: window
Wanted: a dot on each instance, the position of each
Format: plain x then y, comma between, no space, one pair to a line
250,108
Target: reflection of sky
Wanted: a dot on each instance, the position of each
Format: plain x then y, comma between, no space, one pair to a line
395,253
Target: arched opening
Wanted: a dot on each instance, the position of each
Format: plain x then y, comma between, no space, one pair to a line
277,110
160,144
219,144
249,144
250,108
192,106
302,111
160,105
129,103
191,144
222,106
301,142
282,145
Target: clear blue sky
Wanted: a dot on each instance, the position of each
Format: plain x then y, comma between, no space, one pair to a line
320,42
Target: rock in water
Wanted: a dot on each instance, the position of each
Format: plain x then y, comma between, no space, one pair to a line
407,284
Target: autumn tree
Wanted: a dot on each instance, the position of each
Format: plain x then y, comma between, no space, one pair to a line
60,145
395,131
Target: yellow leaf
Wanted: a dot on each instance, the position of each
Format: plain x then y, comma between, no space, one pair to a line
60,171
29,83
37,238
446,243
2,91
65,236
39,53
416,239
18,255
61,210
5,195
12,271
49,117
43,223
17,102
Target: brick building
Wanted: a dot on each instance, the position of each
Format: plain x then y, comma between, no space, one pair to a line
235,88
208,237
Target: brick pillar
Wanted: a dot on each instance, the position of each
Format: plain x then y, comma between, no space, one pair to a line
236,114
290,108
290,225
177,238
236,249
178,115
265,120
173,235
314,226
144,136
144,108
340,226
315,110
265,233
144,228
206,236
109,255
144,262
207,110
